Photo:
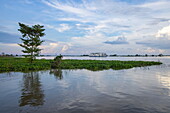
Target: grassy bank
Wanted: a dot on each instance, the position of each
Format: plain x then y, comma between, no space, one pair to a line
22,64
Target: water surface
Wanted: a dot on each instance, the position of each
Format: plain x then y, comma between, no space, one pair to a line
137,90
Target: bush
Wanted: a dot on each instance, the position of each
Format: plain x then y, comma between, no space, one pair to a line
57,62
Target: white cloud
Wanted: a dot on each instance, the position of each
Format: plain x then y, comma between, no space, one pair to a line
151,50
72,19
164,33
65,48
102,20
89,40
158,5
51,47
160,40
10,48
73,8
64,27
61,28
119,40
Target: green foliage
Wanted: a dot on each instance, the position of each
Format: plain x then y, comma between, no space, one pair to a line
58,57
57,62
95,65
31,39
21,64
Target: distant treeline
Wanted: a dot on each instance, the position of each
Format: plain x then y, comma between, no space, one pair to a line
114,55
138,55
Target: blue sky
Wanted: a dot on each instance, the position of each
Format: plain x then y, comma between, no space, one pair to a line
85,26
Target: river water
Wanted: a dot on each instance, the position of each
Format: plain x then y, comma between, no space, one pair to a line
136,90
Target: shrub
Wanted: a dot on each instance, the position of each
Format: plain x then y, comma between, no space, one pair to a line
57,62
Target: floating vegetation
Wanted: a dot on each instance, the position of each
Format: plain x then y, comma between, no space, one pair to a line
22,64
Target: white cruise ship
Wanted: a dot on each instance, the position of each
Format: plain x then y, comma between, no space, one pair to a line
98,55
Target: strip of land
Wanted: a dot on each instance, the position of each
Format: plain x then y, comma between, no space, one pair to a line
22,64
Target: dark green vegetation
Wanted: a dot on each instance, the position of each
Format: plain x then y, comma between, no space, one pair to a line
95,65
57,62
31,40
22,64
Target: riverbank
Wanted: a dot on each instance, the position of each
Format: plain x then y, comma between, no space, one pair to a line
21,64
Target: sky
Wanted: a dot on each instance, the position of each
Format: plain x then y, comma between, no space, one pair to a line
75,27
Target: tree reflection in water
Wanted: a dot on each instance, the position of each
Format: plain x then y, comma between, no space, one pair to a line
32,93
57,73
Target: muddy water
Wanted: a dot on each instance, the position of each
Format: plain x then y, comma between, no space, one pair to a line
137,90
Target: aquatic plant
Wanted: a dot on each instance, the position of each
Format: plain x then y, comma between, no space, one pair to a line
22,64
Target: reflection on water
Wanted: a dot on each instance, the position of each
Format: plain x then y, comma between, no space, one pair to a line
57,73
137,90
164,79
31,93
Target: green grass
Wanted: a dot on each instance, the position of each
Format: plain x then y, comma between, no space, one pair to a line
21,64
95,65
